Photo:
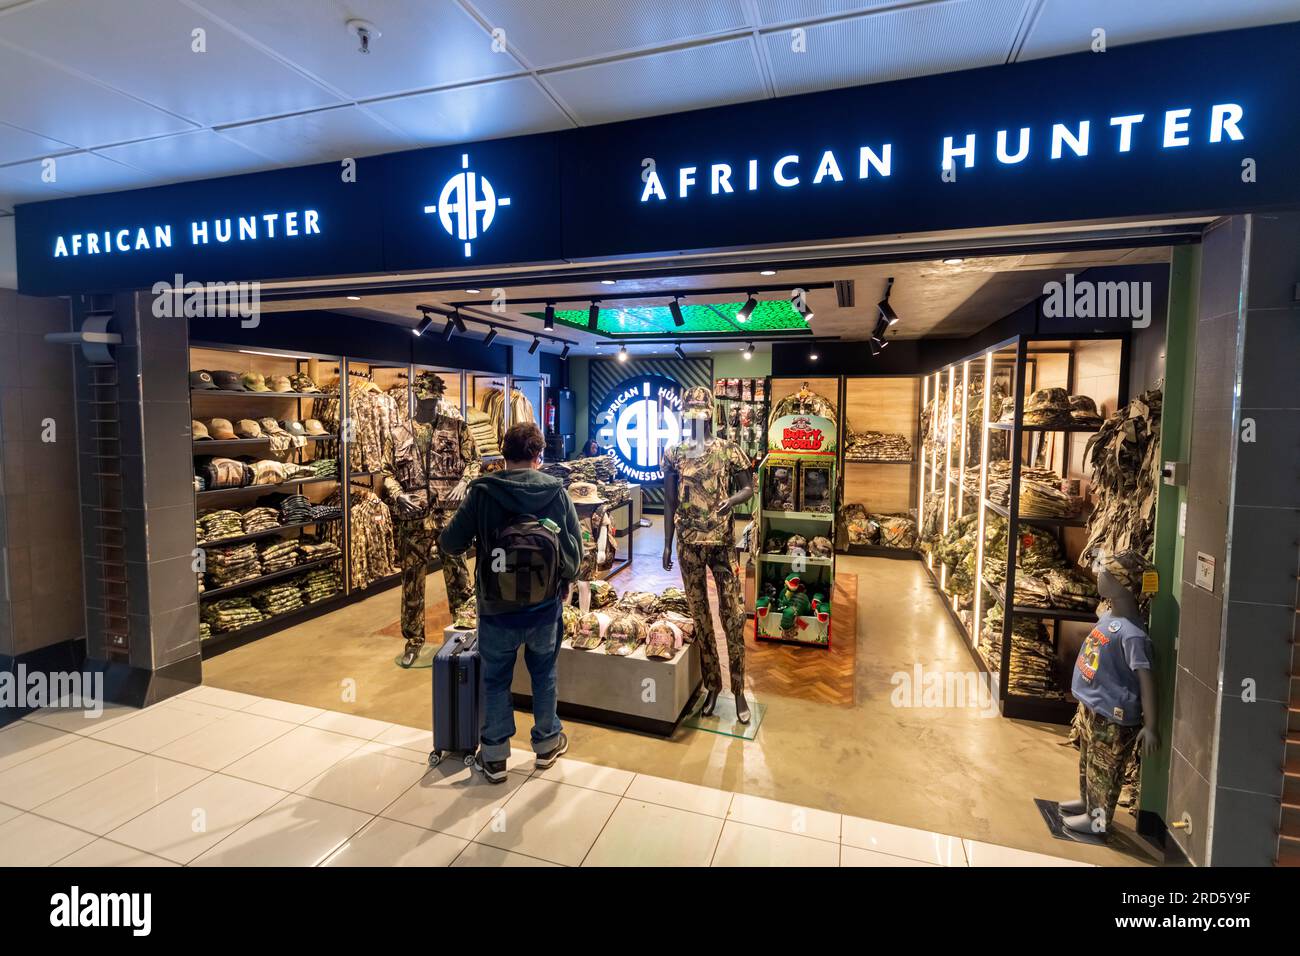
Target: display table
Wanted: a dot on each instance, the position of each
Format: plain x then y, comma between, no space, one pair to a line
602,688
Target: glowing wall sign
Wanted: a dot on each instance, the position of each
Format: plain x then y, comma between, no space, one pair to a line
639,418
460,197
802,434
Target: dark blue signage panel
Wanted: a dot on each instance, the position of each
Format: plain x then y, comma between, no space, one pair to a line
1153,130
1198,125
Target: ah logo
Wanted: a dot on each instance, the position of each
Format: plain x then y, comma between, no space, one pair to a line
461,198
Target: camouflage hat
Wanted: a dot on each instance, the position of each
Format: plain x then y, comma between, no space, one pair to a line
314,427
301,382
1045,398
624,635
429,385
279,383
247,428
697,402
585,493
1126,567
663,640
1084,410
589,633
198,430
202,379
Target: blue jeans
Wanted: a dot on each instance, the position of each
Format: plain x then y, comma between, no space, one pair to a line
498,647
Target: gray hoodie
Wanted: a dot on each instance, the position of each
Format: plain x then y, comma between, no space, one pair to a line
495,498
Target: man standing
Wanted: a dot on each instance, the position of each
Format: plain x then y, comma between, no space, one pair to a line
528,550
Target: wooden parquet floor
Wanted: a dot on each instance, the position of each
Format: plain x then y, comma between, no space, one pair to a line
811,673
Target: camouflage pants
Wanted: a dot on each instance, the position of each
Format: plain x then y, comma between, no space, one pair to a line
416,543
696,561
1104,750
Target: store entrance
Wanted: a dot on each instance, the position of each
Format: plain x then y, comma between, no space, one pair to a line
931,445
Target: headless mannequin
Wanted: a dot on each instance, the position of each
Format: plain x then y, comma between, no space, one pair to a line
697,439
1123,603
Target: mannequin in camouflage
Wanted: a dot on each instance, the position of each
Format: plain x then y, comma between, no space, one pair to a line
431,461
698,476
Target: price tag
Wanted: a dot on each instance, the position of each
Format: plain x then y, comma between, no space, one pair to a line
1150,582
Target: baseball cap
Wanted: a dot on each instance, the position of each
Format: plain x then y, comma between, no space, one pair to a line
198,430
697,402
663,640
301,382
429,385
221,428
585,493
314,427
271,427
228,381
590,632
293,427
279,383
247,428
624,634
202,378
254,382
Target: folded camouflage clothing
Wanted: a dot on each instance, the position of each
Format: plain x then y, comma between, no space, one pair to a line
570,616
278,556
224,473
319,584
326,513
260,519
1071,589
223,523
672,600
324,467
897,531
312,549
599,469
205,630
1040,491
279,598
876,446
626,632
638,603
1032,671
232,565
231,614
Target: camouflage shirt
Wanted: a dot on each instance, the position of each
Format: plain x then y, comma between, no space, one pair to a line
703,483
447,447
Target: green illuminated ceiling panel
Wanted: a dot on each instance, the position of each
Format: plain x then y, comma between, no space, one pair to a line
712,319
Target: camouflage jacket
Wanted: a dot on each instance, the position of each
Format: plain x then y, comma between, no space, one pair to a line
703,483
434,456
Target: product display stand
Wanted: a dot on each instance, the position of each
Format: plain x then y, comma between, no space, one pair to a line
879,474
734,400
628,533
954,486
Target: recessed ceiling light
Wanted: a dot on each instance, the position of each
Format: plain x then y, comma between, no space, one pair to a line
767,272
354,298
473,291
608,281
953,262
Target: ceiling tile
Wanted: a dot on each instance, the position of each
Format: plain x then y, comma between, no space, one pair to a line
52,102
149,57
18,144
75,174
686,79
895,45
547,34
786,11
424,43
1065,26
482,111
319,137
196,155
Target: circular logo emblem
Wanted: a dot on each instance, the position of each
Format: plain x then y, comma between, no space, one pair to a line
639,418
467,205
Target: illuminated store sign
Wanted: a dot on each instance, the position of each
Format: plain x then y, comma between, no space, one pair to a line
461,198
290,224
802,434
1172,129
639,418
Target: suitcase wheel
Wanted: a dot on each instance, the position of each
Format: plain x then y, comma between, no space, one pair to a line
435,758
469,760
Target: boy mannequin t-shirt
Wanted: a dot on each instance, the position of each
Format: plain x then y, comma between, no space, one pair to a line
1105,673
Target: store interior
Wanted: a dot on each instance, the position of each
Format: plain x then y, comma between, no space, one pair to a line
948,425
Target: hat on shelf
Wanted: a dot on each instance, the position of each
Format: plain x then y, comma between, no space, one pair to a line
220,428
585,493
271,427
313,427
590,632
1083,410
293,427
697,402
254,382
279,383
202,378
302,382
1047,406
228,381
247,428
664,640
199,431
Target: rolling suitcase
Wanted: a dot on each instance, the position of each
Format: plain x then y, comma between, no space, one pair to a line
457,699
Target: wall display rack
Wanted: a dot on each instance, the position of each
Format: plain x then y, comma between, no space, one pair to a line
347,373
1000,499
880,459
740,412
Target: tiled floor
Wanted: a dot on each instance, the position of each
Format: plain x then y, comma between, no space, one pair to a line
217,778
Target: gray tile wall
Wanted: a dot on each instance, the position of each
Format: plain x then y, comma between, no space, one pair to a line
40,534
1264,555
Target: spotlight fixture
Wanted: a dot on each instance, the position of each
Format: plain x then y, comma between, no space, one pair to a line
423,327
354,298
675,307
564,353
882,326
953,262
801,306
876,346
449,331
533,348
886,311
812,354
491,334
460,323
593,316
622,354
767,272
548,319
473,291
747,309
680,353
749,352
608,281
